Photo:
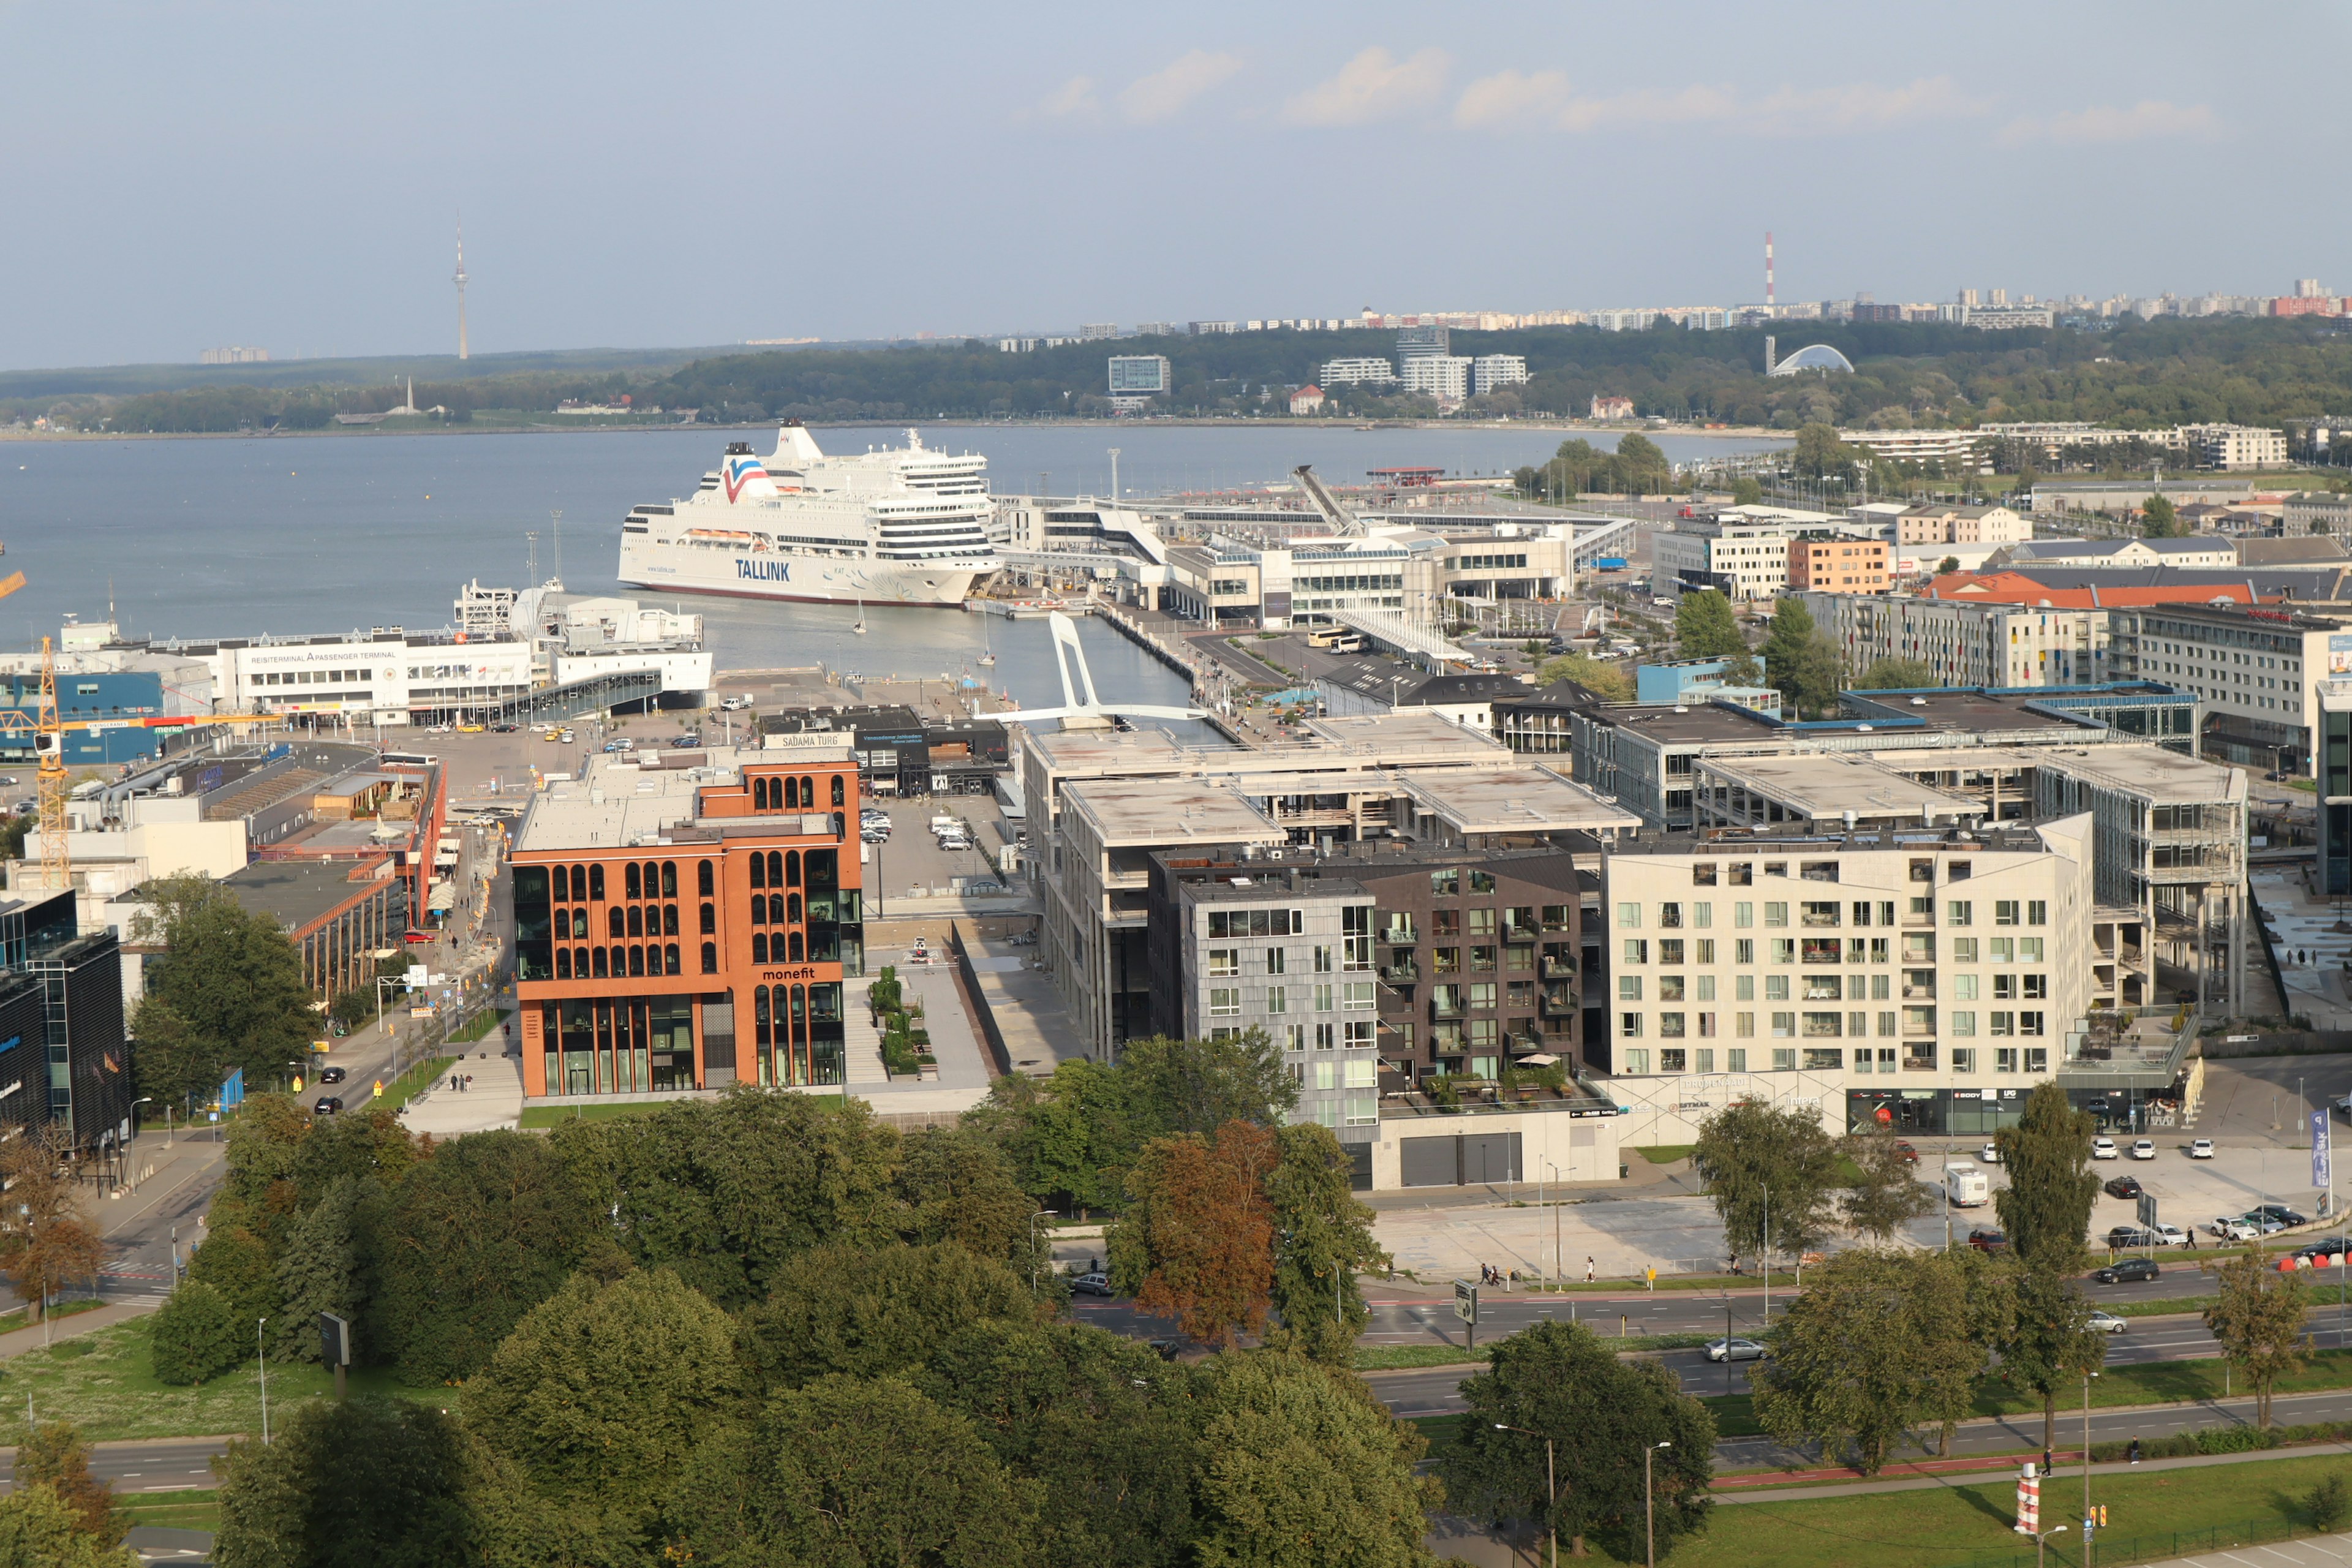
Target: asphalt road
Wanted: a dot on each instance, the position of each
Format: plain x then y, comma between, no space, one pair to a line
175,1464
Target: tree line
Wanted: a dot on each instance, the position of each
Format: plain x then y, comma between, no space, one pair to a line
2133,374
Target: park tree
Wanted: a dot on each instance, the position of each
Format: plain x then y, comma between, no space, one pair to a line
194,1335
1602,679
602,1395
1888,1193
238,1264
1200,1085
40,1530
1772,1175
475,1236
1556,1381
872,1312
1864,1353
1067,1137
1323,1241
2050,1346
724,1191
2258,1320
1196,1241
1947,565
2158,519
1746,492
1897,675
1801,661
234,986
55,1454
1704,628
959,1187
1307,1469
358,1483
1108,1429
853,1470
2046,1207
45,1241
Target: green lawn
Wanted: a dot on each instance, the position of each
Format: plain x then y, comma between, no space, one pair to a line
1665,1153
1969,1526
539,1117
1395,1358
399,1092
17,1319
484,1021
173,1511
100,1381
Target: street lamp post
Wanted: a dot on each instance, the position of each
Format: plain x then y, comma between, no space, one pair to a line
1558,1264
1650,1503
2041,1543
263,1351
2087,1442
1552,1486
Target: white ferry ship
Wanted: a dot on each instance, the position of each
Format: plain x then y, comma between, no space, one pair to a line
899,526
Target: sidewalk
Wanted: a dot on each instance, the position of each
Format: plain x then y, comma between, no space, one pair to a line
17,1342
2070,1466
494,1100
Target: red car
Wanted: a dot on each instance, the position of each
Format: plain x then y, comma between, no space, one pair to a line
1908,1153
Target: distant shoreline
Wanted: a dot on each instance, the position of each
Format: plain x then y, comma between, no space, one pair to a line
1564,428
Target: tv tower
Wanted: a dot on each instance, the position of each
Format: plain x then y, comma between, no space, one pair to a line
461,286
1768,278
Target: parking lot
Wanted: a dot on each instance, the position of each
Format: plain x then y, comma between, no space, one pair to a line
912,862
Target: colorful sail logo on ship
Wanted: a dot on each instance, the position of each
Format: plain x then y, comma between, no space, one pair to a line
744,475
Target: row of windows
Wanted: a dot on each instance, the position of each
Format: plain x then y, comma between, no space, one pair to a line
1742,873
1831,912
580,884
1917,985
1227,961
1918,947
1827,1025
1817,1058
637,920
792,794
620,963
1225,1002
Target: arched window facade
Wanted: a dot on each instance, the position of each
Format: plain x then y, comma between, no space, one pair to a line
706,879
596,881
629,881
670,878
839,790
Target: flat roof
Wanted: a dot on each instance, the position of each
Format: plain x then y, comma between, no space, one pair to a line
1525,799
1829,783
1170,812
615,803
1079,749
297,892
1986,712
2160,775
1365,733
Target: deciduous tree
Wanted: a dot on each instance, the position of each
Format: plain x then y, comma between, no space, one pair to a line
2158,519
1556,1381
45,1242
194,1335
231,978
1889,1195
1866,1351
55,1454
873,1311
38,1530
358,1483
1196,1242
1605,681
2258,1319
1305,1470
2051,1345
1897,675
1323,1240
2046,1207
1704,628
1772,1175
1746,492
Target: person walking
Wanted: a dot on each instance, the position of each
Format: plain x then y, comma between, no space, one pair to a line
1588,1275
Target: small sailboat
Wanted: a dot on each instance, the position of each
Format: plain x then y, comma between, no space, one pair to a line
859,629
987,649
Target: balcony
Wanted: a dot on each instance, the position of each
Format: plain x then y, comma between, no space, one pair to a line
1445,1005
1559,1001
1559,969
1404,973
1402,932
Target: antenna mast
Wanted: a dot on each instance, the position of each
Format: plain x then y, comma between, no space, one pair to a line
461,286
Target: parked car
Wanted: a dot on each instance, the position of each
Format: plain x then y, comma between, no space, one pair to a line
2124,1237
1095,1284
2143,1149
2103,1149
566,737
504,728
1989,1240
1734,1350
2230,1230
332,1075
1908,1153
1989,1154
2125,1270
326,1106
733,704
2173,1236
2200,1148
2286,1217
2334,1247
2124,1187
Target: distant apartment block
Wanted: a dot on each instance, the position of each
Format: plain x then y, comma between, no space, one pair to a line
1358,372
1936,523
234,356
1415,342
1999,317
1488,371
1446,377
1139,375
2235,446
1094,331
1611,408
1948,446
1212,329
1837,565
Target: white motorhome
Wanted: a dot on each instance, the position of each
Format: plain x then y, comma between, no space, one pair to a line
1967,1186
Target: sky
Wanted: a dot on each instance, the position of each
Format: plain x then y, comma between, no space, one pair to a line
183,175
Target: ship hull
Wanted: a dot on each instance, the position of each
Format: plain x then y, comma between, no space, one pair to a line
803,579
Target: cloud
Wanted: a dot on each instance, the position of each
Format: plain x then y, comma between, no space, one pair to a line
2148,119
1167,90
1544,98
1375,85
1073,97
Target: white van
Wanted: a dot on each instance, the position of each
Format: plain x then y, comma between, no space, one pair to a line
1967,1186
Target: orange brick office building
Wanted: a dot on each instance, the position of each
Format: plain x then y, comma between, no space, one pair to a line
685,921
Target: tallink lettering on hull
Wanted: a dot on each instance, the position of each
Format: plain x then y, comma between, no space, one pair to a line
765,571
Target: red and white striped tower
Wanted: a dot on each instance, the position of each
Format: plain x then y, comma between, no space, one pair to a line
1768,268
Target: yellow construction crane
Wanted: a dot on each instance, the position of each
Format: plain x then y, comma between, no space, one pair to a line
49,750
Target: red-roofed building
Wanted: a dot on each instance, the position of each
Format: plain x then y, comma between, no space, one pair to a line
2017,588
1307,399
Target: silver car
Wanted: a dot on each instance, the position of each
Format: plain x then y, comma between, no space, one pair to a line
1734,1350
